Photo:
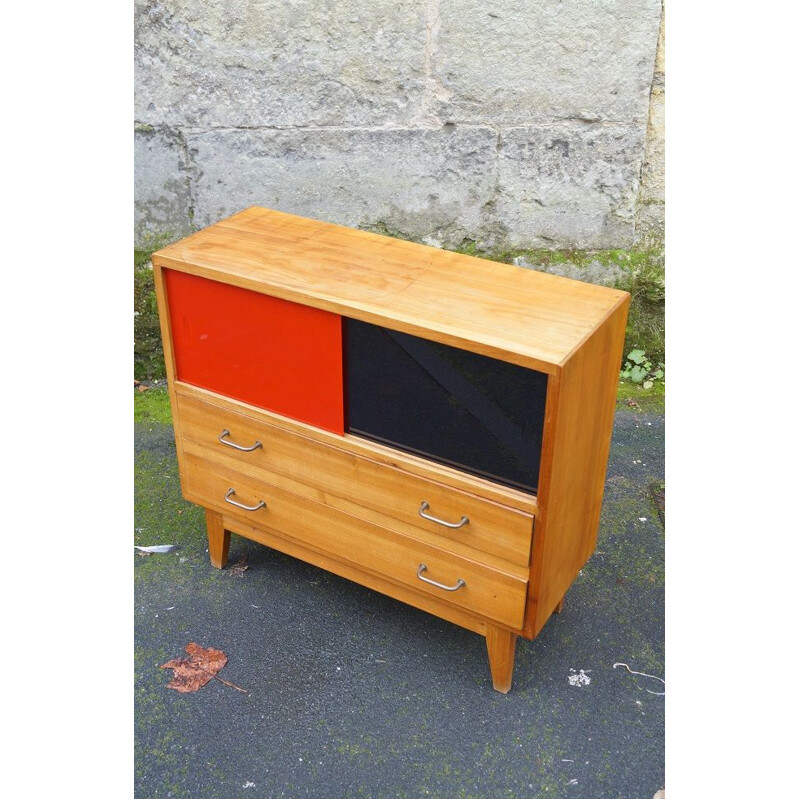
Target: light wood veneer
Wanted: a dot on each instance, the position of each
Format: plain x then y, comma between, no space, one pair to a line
352,506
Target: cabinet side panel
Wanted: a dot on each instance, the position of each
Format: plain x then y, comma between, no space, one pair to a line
576,449
169,359
259,349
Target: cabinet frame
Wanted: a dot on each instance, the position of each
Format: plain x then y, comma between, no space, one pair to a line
572,331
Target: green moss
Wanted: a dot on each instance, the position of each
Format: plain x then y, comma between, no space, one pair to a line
646,322
141,258
157,727
639,271
148,360
385,230
152,406
624,541
162,515
469,247
633,397
633,260
148,354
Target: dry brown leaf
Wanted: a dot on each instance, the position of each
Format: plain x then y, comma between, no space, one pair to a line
191,674
238,568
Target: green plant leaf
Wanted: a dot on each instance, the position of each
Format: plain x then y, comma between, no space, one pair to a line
638,374
637,356
648,384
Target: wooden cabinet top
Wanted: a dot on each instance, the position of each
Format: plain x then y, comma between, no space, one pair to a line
508,312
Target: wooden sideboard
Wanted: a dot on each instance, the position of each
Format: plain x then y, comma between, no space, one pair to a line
431,425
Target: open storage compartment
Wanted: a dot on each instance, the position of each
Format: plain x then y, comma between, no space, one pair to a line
463,409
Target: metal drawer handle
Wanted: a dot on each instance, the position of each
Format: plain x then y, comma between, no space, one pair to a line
425,506
230,492
223,439
461,582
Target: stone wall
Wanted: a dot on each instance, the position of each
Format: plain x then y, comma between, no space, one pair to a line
650,211
514,123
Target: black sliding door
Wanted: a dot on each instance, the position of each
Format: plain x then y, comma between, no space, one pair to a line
459,408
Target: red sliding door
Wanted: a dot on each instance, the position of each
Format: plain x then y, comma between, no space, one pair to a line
268,352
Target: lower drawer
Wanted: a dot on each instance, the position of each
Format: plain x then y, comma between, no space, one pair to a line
491,593
328,471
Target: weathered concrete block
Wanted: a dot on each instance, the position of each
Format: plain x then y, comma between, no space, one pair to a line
652,189
595,271
512,123
512,62
162,198
569,185
278,62
430,185
650,213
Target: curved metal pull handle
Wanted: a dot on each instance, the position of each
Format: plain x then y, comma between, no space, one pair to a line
230,492
425,506
461,582
223,439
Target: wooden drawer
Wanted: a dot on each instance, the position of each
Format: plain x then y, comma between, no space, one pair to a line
338,476
496,594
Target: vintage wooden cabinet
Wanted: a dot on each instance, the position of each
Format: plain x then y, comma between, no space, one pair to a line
431,425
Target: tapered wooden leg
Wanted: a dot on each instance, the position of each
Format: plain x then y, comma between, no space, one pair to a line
219,540
501,645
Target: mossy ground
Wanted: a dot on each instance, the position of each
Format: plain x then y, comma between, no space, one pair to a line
355,695
384,724
148,354
152,404
633,396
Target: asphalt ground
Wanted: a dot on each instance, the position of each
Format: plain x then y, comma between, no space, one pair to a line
352,694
